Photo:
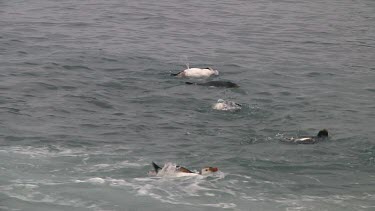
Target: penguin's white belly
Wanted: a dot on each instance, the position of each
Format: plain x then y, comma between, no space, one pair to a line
175,174
198,72
303,139
182,174
223,105
219,106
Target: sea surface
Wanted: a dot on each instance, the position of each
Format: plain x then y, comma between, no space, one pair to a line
87,103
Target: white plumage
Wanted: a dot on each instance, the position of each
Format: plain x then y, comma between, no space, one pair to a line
198,72
226,105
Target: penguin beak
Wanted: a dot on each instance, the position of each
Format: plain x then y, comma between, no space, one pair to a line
214,169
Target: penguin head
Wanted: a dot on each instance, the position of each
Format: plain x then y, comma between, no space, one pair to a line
323,133
208,170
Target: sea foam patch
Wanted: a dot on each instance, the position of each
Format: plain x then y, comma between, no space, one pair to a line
33,193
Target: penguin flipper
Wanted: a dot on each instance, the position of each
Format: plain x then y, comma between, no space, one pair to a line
156,167
183,169
176,74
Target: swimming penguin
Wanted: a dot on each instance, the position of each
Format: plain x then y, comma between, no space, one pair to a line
225,84
197,73
180,169
226,105
322,135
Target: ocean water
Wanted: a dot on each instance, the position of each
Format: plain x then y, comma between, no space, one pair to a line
87,103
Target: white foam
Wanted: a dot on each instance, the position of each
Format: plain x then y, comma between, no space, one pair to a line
222,205
120,182
30,193
27,186
102,167
108,180
143,179
145,190
243,176
40,152
60,151
126,163
174,187
96,180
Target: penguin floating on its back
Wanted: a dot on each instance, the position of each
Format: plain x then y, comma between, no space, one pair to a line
196,73
322,135
226,105
183,170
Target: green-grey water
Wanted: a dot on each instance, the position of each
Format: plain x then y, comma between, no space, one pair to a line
87,103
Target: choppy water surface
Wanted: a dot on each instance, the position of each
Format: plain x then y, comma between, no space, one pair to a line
87,102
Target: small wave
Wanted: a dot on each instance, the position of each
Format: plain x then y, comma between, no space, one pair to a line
45,151
113,85
100,103
370,89
108,59
107,167
75,67
107,181
61,151
47,86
